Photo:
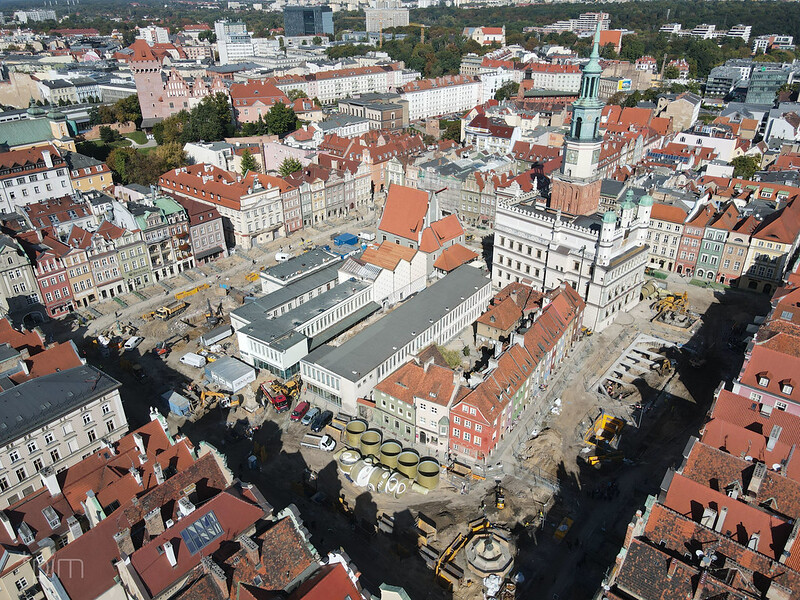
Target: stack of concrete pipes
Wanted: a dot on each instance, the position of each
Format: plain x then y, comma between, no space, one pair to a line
384,467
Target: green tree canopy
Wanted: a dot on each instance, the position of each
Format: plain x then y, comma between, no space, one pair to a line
281,120
452,131
248,162
671,72
506,91
745,166
295,94
289,165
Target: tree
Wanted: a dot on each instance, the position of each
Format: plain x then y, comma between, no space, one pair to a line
633,99
171,128
288,166
506,91
316,40
745,166
671,72
128,109
209,121
281,120
108,135
248,162
208,35
452,131
295,94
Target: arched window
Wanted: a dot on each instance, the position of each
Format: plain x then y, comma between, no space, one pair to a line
578,125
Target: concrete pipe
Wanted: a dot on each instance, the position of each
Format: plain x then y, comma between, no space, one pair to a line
428,473
403,483
378,479
415,487
364,474
391,484
407,463
353,431
389,452
347,459
356,469
370,442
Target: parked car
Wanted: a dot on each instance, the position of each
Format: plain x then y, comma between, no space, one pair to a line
327,443
309,416
321,421
299,411
133,342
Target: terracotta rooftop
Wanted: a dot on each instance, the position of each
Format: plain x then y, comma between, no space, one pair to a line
58,357
440,233
453,257
388,256
404,212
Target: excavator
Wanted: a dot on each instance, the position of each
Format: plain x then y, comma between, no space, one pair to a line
211,315
290,389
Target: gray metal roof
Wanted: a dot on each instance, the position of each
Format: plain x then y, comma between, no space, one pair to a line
256,309
304,262
40,401
365,351
281,333
228,369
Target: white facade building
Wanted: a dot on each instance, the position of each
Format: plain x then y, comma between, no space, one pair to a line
338,375
153,34
47,430
441,96
32,175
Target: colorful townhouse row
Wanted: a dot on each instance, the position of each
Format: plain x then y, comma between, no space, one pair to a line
65,254
427,403
725,522
742,233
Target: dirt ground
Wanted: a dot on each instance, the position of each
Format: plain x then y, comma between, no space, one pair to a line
547,486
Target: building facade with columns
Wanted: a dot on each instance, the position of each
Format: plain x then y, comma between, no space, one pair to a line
542,243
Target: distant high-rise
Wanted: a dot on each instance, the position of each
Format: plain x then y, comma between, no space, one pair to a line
307,20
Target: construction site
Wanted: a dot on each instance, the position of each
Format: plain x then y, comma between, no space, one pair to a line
560,486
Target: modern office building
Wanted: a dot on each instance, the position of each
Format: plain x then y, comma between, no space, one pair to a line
307,20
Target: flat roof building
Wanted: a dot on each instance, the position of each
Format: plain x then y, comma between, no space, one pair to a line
339,375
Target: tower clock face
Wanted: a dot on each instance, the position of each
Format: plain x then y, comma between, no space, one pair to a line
596,156
572,156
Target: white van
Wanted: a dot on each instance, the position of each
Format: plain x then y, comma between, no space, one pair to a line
193,360
282,256
366,236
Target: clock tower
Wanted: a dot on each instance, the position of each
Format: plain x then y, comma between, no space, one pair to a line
576,187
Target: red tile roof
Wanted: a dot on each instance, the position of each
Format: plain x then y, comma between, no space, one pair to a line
453,257
690,498
331,582
235,513
57,357
252,91
502,315
31,340
440,233
388,256
433,384
404,212
668,212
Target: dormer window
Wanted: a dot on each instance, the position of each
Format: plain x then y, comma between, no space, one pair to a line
763,379
787,387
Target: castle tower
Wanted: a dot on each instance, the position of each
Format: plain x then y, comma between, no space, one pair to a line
146,70
576,187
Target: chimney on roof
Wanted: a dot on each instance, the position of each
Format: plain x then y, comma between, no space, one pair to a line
142,459
759,472
708,518
136,475
789,542
124,542
74,527
723,512
753,541
7,524
169,552
672,567
701,586
428,362
139,441
216,572
159,473
153,523
773,437
498,348
250,548
48,476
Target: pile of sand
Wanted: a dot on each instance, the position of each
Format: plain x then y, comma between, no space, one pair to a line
544,452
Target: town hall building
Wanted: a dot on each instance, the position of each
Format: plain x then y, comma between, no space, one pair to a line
602,255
